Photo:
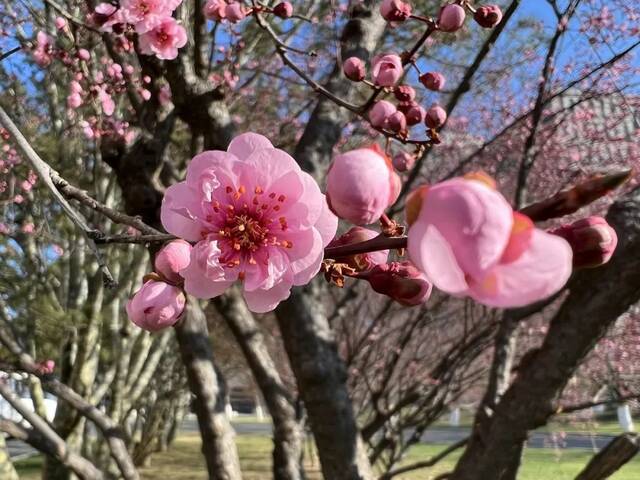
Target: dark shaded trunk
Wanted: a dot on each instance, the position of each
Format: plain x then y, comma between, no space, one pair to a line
218,445
287,432
321,377
611,458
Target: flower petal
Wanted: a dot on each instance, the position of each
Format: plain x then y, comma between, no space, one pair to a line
539,272
262,301
474,219
431,253
204,168
245,144
181,212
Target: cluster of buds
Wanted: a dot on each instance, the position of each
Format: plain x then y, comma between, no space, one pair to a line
450,18
160,302
234,11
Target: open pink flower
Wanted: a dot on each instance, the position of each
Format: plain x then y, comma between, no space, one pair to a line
145,15
43,52
164,39
468,241
386,69
361,184
257,218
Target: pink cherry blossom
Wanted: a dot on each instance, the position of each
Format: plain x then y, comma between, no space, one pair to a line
106,101
215,10
172,258
60,23
283,10
386,69
257,218
28,228
468,241
43,51
164,39
145,15
156,305
74,100
235,12
361,184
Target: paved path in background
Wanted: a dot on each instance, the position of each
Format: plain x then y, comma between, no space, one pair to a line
450,435
18,449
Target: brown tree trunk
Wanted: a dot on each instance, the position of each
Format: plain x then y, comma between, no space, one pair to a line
218,445
322,382
287,431
611,458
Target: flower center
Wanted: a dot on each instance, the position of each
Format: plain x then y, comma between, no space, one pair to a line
245,233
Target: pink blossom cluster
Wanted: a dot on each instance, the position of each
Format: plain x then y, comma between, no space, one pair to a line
255,218
158,32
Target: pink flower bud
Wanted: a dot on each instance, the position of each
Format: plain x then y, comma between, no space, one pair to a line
74,100
405,93
592,240
361,184
451,18
60,23
283,10
397,122
433,81
395,10
172,258
380,113
386,69
364,261
415,115
488,16
404,107
235,12
83,54
403,161
215,10
354,69
156,305
401,281
436,116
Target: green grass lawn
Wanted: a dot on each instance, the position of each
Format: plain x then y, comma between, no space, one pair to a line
184,462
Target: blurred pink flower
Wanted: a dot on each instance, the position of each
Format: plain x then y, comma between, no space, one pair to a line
467,239
256,217
43,51
164,39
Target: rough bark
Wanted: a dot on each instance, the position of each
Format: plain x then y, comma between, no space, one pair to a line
7,470
611,458
597,298
218,446
287,431
321,378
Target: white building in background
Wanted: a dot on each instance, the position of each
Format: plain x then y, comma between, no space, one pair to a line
17,382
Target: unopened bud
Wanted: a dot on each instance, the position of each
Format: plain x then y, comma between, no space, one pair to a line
397,122
354,69
592,240
172,258
283,10
451,18
436,116
401,281
395,10
403,161
488,16
433,81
